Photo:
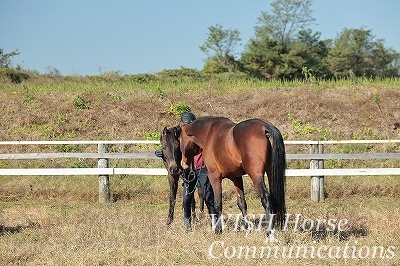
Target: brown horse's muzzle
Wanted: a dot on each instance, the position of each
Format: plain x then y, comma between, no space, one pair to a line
184,165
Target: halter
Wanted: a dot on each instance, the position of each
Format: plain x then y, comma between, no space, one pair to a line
190,178
192,172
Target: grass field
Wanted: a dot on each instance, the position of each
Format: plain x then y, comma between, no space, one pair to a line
58,221
49,224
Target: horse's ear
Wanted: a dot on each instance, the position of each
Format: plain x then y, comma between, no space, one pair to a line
164,131
177,131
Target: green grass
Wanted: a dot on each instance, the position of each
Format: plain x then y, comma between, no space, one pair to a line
221,82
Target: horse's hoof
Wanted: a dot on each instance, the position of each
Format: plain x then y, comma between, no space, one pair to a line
168,222
201,214
271,238
218,230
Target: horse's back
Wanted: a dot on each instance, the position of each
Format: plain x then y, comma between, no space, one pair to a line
217,130
250,132
246,136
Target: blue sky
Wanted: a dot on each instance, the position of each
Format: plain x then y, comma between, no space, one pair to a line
87,37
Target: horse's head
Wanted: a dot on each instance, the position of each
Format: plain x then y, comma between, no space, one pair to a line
171,153
188,148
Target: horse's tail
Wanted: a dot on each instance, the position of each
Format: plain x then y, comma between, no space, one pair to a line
278,168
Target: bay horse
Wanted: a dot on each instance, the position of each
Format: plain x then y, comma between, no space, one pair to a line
230,150
171,156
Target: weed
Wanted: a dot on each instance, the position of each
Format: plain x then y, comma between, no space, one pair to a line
60,118
82,163
66,148
308,74
179,108
160,93
114,96
300,129
28,97
43,131
149,136
80,102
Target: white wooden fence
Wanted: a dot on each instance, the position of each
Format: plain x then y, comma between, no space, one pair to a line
316,157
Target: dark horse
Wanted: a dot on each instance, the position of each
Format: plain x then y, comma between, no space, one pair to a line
231,150
171,156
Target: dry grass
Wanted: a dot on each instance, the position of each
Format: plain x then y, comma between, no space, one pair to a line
57,220
75,230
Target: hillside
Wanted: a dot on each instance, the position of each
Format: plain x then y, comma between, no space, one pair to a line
90,110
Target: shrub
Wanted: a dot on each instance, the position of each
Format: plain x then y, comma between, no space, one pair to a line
214,67
183,73
14,75
141,78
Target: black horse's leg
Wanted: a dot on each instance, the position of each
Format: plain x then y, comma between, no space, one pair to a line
193,206
173,187
217,217
241,201
201,199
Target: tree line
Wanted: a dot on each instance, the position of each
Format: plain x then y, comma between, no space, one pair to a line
284,47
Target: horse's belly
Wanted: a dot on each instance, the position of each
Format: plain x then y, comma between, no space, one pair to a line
224,171
233,172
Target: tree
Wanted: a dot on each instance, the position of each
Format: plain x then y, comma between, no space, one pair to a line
5,59
288,17
315,53
355,51
15,75
262,57
385,61
282,46
220,46
269,59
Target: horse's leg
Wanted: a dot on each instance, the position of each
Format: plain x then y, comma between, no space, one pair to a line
173,187
241,201
201,199
271,218
262,192
216,184
193,206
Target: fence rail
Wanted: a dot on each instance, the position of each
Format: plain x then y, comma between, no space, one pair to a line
162,171
59,155
316,157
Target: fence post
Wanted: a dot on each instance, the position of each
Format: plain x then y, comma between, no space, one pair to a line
317,182
321,178
104,180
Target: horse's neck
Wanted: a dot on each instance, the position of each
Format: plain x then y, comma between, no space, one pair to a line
212,133
201,136
199,141
204,132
